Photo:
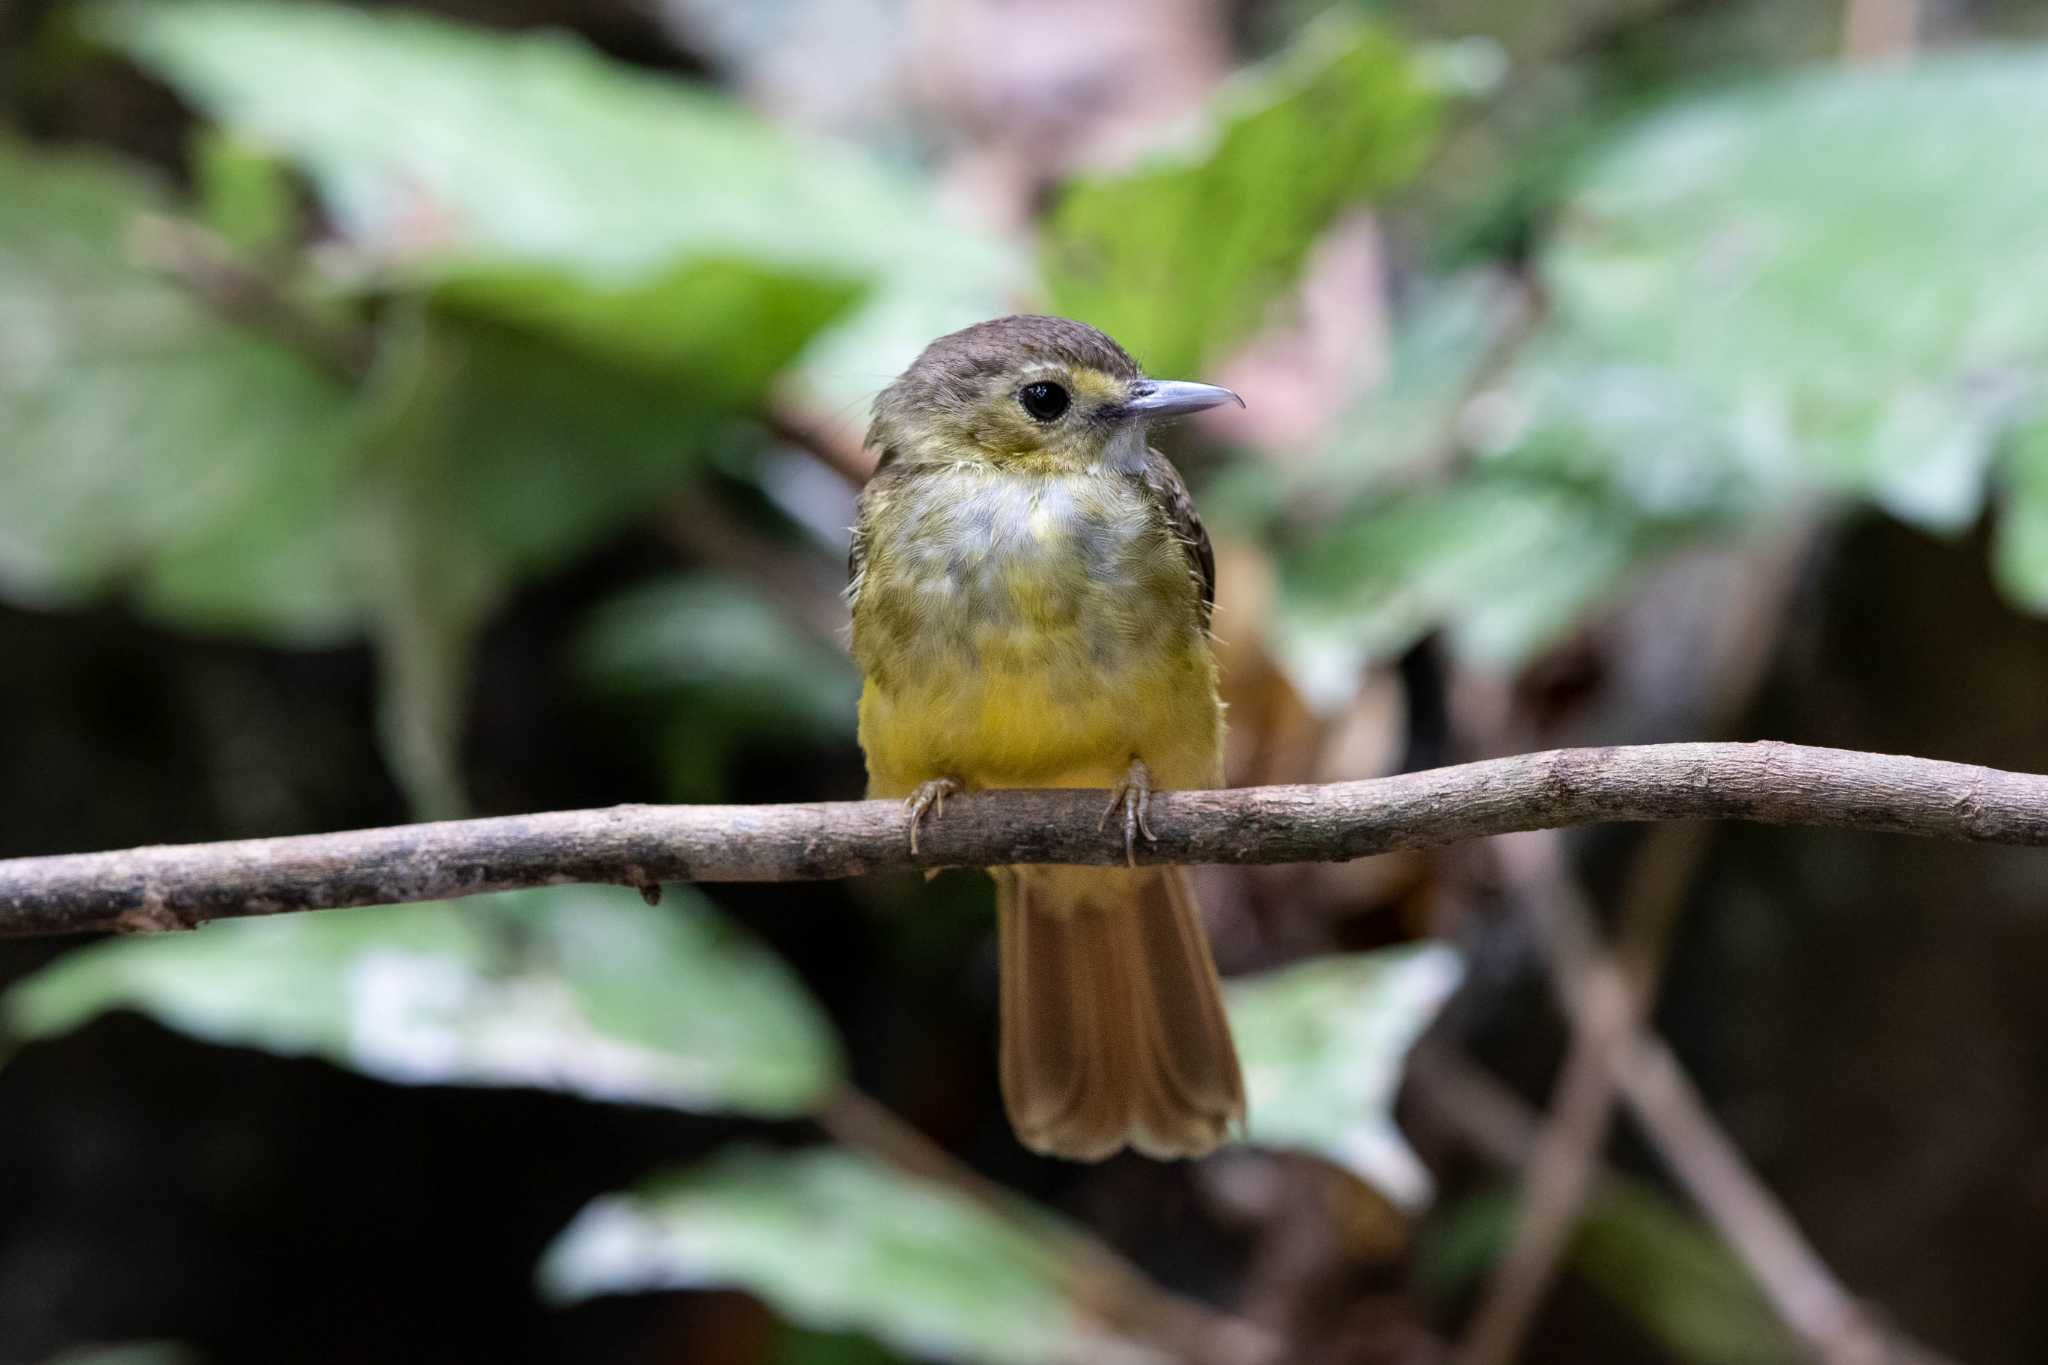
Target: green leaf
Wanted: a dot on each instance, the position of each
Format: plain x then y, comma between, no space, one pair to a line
1675,1278
1323,1046
244,195
1180,259
2019,551
729,324
535,181
715,636
1506,564
834,1240
1833,273
1728,334
579,989
148,443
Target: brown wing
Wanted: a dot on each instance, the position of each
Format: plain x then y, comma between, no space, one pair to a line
1167,488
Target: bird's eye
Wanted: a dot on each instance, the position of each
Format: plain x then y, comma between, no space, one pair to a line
1043,401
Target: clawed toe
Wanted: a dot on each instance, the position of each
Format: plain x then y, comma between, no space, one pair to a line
1134,795
929,799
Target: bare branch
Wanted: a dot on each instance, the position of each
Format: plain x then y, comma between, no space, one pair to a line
1769,783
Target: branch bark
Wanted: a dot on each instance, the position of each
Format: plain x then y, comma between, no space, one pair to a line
642,846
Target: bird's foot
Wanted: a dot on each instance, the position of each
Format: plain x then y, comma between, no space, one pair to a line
929,799
1134,795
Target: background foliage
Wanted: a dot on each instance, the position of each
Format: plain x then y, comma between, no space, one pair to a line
414,409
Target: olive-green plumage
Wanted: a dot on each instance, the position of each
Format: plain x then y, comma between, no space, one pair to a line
1031,594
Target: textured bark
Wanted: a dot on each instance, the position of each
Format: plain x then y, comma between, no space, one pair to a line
642,846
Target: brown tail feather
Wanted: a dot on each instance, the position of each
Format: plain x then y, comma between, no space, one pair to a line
1113,1029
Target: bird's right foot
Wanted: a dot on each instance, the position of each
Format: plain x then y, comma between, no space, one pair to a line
929,799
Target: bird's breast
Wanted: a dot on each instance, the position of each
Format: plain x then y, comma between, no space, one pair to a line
1012,628
1020,574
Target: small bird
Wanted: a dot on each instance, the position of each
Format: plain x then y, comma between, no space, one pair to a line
1031,594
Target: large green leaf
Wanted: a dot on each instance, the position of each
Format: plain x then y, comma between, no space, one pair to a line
533,180
834,1240
1834,271
1323,1046
1783,292
1181,258
145,442
1504,565
580,989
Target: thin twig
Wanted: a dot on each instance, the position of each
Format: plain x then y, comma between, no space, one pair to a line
1610,999
1805,1293
833,444
1496,1124
1825,1316
1769,783
1607,1008
251,297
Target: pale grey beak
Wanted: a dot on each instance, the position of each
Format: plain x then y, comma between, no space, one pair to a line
1154,399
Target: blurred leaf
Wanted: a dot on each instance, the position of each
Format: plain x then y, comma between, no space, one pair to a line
713,665
1867,328
834,1240
1726,335
150,444
428,576
244,194
798,1346
579,989
1323,1046
1506,565
731,325
535,181
2020,550
1656,1263
1408,426
1180,259
715,633
1675,1278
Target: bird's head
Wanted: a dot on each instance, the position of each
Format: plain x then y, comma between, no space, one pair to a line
1028,390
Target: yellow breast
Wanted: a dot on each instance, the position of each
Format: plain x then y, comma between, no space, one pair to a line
1030,629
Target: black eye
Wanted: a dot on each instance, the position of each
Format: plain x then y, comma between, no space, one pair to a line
1043,401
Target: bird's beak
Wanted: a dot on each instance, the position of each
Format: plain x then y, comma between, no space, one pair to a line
1153,399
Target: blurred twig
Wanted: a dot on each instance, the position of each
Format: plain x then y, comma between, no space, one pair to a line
1608,1004
1109,1287
834,445
1497,1125
1609,999
1769,783
253,297
1811,1301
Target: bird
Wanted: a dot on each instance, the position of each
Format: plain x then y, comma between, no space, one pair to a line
1031,592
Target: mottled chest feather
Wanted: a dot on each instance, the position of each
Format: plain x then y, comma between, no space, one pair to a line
980,568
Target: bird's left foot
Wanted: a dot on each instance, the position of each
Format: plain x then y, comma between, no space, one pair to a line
1134,795
929,799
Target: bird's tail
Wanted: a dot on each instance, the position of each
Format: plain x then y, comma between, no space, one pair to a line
1113,1029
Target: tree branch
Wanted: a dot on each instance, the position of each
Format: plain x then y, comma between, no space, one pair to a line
1769,783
